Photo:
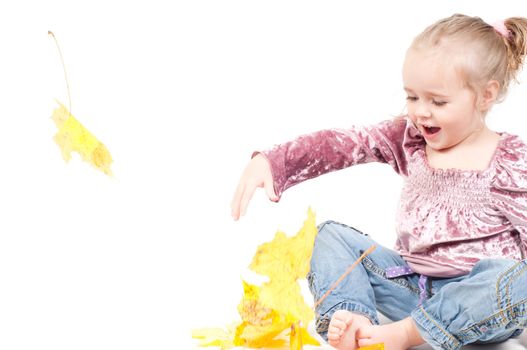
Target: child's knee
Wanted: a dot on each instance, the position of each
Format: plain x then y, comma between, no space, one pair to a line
511,279
334,234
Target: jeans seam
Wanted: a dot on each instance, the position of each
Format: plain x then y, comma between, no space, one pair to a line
448,335
400,281
507,312
500,287
500,319
313,285
516,275
340,224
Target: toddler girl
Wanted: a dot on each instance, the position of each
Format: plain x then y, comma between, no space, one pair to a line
458,272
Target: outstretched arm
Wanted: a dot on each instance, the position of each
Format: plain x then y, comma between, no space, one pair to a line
256,174
321,152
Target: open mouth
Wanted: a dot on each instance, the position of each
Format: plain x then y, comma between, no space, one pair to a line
431,130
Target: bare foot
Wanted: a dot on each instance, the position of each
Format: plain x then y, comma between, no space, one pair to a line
399,335
342,329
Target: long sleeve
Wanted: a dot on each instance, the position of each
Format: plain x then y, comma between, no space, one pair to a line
509,188
324,151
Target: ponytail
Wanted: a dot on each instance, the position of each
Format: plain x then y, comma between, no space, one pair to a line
516,46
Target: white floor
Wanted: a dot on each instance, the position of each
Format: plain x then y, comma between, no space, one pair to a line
512,344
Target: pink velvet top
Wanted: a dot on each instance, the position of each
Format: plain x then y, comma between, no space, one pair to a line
447,220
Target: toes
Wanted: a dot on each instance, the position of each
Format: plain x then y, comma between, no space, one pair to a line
334,330
333,337
342,315
341,325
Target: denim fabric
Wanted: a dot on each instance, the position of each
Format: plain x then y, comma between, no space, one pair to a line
488,305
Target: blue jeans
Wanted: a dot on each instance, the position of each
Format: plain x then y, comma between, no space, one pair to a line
488,305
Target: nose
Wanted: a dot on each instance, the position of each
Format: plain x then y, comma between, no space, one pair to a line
422,110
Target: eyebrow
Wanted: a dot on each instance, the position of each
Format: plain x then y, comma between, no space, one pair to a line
433,93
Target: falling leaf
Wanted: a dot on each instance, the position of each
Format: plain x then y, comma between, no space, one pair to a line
72,136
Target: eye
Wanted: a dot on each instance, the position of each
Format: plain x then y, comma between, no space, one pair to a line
439,103
411,98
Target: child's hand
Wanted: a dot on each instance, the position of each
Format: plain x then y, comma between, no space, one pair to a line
256,174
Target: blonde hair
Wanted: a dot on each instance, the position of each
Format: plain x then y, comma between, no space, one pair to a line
486,53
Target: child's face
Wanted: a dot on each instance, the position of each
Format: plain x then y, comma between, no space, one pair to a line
439,103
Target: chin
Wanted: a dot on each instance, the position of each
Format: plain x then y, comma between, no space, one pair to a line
436,146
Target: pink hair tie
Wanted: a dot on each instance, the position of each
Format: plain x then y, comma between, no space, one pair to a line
502,29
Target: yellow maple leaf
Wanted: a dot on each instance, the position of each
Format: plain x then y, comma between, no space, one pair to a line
295,337
286,298
285,260
214,337
287,257
270,310
299,336
260,324
72,136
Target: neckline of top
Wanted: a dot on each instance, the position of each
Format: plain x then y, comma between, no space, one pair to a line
467,172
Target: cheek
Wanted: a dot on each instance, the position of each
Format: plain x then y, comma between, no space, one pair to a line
411,116
450,122
411,110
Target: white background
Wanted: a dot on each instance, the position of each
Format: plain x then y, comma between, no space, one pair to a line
181,93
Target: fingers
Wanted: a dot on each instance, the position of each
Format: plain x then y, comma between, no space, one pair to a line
246,197
235,202
243,194
256,174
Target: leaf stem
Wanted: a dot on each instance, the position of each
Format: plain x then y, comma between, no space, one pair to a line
50,33
339,280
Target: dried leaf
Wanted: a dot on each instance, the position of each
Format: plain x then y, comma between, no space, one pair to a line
284,260
278,306
260,323
72,136
287,257
214,337
307,339
295,338
285,297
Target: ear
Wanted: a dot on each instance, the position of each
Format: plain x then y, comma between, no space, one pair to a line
489,95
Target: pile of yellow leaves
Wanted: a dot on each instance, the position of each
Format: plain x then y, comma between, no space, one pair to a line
277,305
72,136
